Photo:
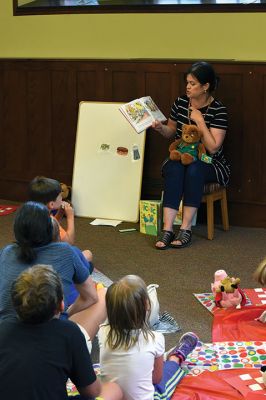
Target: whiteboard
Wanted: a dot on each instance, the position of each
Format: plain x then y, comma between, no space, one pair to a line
105,183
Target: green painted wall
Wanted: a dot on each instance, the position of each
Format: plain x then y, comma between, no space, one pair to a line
239,36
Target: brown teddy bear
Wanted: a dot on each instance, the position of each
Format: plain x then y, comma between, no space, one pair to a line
188,148
66,192
66,196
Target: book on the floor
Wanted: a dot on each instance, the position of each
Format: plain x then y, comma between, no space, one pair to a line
150,216
141,113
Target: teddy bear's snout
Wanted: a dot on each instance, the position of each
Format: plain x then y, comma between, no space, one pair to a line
188,138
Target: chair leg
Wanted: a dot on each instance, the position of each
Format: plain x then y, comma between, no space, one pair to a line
210,217
224,211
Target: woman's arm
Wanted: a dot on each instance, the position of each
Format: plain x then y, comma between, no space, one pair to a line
157,372
212,138
168,131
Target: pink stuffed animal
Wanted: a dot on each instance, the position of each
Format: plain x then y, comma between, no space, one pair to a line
226,291
218,277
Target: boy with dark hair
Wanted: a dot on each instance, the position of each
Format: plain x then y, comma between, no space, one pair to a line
48,191
44,190
39,352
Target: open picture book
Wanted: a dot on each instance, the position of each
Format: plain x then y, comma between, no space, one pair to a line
141,113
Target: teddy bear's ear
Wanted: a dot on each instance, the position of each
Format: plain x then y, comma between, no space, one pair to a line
184,128
64,190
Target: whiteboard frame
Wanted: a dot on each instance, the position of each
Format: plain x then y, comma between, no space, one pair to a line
105,184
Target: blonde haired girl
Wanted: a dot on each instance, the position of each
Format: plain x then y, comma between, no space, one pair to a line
130,352
260,276
260,273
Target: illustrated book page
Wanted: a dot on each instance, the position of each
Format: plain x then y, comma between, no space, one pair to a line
141,113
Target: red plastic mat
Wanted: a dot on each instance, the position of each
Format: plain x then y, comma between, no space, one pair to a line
6,209
209,386
248,383
234,325
257,296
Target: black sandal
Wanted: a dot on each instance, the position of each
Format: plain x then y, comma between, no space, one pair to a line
184,236
166,237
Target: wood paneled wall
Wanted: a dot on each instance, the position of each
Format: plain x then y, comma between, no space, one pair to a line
38,116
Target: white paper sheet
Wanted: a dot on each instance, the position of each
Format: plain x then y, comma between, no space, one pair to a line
107,222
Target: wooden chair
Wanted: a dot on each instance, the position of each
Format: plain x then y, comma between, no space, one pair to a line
212,193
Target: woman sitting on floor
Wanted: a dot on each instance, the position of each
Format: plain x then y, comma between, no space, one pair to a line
34,244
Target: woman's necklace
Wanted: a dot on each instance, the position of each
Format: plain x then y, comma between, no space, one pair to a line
210,100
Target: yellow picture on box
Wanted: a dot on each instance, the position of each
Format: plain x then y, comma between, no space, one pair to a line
150,217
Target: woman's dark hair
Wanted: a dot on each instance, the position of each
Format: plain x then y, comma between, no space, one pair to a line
37,294
32,228
204,73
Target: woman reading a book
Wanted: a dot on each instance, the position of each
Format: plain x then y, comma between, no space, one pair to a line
198,107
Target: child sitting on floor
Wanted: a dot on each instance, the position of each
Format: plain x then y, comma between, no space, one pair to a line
48,191
73,294
131,352
38,351
260,273
260,276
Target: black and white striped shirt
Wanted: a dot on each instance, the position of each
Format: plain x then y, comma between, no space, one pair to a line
215,116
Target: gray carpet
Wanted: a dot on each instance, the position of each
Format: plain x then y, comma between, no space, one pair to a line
179,273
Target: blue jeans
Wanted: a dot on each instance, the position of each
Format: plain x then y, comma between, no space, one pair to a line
185,181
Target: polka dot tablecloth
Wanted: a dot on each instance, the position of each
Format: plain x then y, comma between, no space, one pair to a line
225,355
241,354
